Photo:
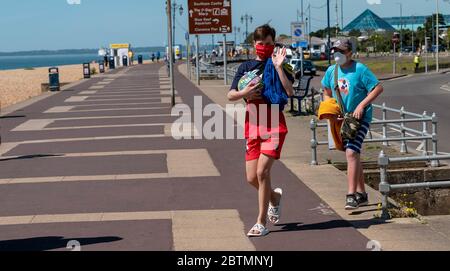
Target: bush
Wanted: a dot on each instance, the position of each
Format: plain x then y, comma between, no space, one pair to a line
93,71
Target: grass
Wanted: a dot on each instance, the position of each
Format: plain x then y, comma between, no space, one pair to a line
405,65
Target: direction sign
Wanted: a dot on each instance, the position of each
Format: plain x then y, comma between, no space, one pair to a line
210,17
297,32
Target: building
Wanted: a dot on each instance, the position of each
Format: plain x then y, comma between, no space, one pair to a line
411,21
368,21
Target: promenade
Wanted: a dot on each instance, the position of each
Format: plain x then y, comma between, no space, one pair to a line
96,165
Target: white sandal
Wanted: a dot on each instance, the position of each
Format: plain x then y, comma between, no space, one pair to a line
262,231
274,212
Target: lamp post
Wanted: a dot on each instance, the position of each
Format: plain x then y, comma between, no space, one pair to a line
401,27
437,35
246,18
412,34
329,33
170,55
236,31
175,7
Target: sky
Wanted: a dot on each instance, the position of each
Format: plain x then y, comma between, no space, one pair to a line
57,24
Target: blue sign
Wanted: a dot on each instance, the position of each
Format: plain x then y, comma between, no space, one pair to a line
298,33
300,44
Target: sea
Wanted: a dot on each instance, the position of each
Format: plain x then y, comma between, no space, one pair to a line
36,61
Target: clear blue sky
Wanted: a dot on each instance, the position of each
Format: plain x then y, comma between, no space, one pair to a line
54,24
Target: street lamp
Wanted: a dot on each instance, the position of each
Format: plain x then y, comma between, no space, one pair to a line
329,33
437,35
175,7
401,27
246,18
236,31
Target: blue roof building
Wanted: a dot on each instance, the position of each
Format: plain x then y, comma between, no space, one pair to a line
368,21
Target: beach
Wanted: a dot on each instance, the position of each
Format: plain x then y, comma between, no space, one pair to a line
21,84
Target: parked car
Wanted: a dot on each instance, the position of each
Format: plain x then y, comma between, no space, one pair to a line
293,62
409,49
432,49
308,68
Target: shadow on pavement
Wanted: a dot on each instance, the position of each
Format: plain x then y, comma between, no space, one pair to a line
51,243
13,117
30,157
332,224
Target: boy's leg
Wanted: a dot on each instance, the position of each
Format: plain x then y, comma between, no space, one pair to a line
265,164
251,168
252,179
353,170
361,187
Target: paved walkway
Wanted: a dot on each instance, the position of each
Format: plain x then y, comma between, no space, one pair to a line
97,164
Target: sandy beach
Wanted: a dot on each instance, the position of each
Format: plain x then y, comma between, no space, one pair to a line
19,85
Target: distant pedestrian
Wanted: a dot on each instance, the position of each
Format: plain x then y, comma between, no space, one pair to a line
105,59
355,88
158,56
130,57
265,137
417,61
153,57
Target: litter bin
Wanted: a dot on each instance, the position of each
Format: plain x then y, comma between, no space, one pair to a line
53,79
87,70
112,63
125,61
101,66
140,59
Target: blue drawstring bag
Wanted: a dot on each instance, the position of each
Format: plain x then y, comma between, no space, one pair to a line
273,92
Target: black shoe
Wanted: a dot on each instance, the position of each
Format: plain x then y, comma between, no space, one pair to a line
362,199
351,202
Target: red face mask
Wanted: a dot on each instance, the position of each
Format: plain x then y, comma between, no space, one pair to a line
264,51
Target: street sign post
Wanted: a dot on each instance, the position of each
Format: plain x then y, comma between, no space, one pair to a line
208,17
395,41
297,31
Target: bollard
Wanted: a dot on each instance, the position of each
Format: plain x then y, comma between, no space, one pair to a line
112,63
384,187
313,126
125,61
140,60
87,70
403,147
383,108
424,133
435,163
101,67
53,79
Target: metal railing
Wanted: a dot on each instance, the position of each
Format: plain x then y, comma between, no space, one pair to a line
385,187
406,133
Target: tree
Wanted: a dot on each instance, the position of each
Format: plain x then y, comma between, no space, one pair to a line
355,33
430,25
322,33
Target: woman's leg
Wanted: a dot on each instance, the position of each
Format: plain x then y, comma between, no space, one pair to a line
265,164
